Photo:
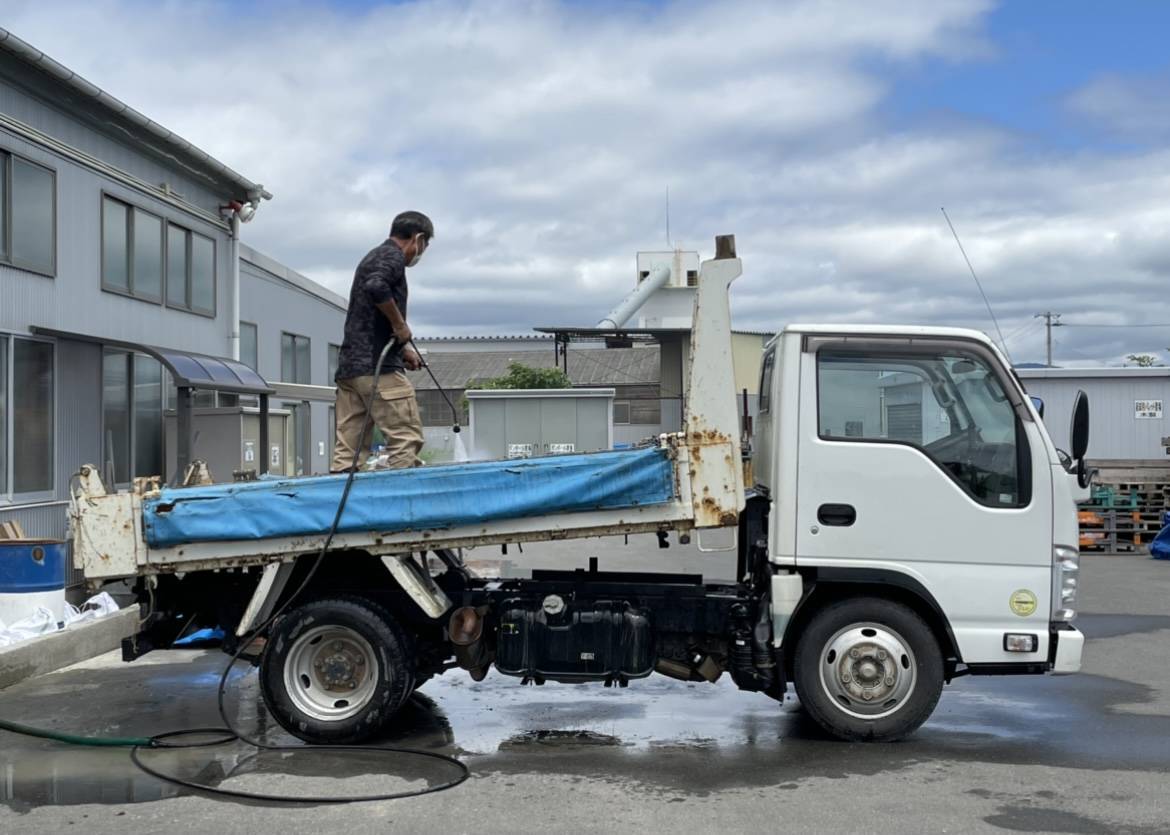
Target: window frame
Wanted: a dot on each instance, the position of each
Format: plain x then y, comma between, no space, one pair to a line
189,235
6,256
130,292
332,361
894,347
167,385
308,353
256,342
10,496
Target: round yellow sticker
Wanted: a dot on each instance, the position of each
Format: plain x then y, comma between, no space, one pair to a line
1023,602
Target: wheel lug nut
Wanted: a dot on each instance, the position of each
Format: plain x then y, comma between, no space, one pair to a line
854,653
890,681
867,695
360,661
352,685
881,655
845,678
337,647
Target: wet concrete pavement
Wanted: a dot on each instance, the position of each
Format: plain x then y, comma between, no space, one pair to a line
1087,753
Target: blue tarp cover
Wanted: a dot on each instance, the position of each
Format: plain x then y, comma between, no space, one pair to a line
1160,547
425,498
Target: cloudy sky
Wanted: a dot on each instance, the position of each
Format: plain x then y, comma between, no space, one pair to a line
542,138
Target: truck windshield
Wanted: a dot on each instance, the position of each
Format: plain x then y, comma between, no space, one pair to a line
947,404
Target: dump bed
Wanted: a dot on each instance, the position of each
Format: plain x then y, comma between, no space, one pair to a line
684,480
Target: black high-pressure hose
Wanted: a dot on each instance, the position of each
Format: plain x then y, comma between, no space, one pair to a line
229,733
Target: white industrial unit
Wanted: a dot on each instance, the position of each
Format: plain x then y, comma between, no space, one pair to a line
521,423
1131,407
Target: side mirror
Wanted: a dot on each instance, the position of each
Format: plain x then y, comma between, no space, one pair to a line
1039,404
1079,435
1079,431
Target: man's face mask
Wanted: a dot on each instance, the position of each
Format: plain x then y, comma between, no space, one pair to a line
420,246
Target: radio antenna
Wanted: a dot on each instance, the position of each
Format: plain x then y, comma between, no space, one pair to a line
978,284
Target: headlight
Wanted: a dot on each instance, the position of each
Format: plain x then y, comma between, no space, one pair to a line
1066,565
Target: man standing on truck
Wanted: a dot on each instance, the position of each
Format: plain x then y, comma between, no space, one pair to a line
377,313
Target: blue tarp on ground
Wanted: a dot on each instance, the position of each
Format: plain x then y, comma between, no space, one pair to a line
425,498
1160,547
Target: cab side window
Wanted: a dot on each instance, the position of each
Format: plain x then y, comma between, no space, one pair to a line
950,406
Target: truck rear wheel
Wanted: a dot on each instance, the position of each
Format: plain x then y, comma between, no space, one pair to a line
336,670
868,669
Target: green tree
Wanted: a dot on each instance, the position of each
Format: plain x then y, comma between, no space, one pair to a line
521,376
1143,360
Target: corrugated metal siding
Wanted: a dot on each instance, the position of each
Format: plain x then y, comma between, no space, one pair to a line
275,306
18,102
28,299
1114,431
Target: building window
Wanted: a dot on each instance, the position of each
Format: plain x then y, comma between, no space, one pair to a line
190,271
621,411
132,416
297,452
334,354
249,346
294,359
28,214
132,250
27,416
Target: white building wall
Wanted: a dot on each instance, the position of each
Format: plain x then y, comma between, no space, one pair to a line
1115,431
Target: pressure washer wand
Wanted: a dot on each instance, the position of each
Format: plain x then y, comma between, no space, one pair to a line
454,412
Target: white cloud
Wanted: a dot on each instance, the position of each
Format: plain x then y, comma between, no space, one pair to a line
542,137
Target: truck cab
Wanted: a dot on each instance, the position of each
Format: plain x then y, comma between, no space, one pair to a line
907,465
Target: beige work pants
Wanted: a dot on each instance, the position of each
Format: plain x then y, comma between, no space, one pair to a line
395,413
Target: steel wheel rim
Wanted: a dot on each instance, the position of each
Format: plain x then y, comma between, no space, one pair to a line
868,670
331,673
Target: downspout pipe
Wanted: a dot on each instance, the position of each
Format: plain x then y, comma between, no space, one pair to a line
234,295
237,213
627,307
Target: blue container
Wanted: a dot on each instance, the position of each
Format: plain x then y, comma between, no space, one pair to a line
31,566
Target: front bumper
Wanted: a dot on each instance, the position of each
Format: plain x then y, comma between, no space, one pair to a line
1070,643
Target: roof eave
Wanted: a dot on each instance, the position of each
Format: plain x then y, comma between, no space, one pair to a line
33,57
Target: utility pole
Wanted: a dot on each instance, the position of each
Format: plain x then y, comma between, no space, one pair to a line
1051,320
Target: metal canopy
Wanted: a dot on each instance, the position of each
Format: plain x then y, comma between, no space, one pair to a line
190,371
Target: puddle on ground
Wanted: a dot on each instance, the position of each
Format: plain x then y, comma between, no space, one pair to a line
658,733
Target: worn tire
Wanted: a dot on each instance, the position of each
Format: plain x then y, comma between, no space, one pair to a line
384,675
819,669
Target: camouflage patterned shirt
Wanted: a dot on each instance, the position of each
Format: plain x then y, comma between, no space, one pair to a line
380,277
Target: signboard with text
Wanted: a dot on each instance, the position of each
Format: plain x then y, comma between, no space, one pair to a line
1147,409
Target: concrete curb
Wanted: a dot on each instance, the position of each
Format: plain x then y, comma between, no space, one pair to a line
60,649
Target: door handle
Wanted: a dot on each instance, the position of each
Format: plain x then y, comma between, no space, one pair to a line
837,515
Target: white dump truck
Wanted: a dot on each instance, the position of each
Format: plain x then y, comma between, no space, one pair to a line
911,521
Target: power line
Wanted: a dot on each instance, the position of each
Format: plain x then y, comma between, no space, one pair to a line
1102,325
978,284
1031,323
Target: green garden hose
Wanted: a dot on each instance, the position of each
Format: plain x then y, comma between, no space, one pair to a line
74,739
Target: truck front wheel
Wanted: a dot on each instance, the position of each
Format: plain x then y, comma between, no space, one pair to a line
336,670
868,669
